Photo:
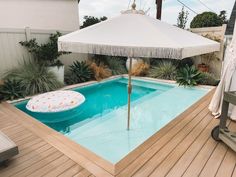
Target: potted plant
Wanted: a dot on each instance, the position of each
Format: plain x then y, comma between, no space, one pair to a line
47,54
206,59
205,62
203,67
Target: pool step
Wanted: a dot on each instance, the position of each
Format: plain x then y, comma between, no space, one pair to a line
156,86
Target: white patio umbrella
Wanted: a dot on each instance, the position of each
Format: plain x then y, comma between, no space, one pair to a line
134,34
228,81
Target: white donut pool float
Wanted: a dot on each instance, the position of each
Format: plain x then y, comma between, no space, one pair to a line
56,101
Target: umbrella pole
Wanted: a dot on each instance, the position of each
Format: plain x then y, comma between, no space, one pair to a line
129,92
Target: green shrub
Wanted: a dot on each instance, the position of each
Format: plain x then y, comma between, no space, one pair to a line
188,76
206,19
34,78
45,53
117,65
164,70
182,63
90,20
79,72
11,89
208,79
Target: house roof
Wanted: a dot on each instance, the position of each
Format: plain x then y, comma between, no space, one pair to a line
231,23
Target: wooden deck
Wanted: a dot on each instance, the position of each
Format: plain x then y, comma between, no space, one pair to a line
183,148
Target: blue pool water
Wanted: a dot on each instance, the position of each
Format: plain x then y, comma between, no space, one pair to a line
99,124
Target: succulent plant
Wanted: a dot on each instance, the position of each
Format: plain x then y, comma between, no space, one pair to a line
164,70
34,78
79,72
188,76
11,89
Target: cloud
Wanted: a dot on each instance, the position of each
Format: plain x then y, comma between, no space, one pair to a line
171,8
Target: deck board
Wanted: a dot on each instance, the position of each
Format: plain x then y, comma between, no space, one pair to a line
182,148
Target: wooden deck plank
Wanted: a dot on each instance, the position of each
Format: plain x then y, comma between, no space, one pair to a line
234,172
166,135
11,170
83,173
164,151
32,154
60,169
198,163
71,171
193,150
30,149
51,166
212,165
176,154
39,164
228,164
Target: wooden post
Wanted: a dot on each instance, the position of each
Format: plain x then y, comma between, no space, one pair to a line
129,92
27,33
159,9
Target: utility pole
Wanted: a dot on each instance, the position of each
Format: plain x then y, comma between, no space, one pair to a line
159,9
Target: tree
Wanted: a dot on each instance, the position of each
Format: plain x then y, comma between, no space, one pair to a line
90,20
182,18
206,19
223,16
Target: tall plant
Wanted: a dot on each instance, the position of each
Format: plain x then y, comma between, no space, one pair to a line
34,78
182,18
45,53
164,70
116,64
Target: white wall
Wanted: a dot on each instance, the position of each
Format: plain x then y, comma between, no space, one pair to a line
218,32
12,53
39,14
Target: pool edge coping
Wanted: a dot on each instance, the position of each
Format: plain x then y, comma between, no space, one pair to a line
69,87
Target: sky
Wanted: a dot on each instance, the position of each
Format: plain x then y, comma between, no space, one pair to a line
171,8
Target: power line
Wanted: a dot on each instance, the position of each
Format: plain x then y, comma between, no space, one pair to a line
206,6
187,7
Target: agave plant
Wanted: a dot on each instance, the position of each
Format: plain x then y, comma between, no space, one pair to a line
208,79
35,78
79,72
164,70
188,76
11,89
116,65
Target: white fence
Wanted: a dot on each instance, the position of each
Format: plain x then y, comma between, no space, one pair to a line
12,53
219,33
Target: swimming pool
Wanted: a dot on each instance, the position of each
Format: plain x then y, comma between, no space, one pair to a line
99,124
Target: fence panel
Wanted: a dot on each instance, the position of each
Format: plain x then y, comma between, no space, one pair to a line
12,53
219,33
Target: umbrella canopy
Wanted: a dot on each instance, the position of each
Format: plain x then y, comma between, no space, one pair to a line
135,34
228,81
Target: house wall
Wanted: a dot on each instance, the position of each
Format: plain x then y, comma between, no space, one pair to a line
22,20
12,53
218,32
39,14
